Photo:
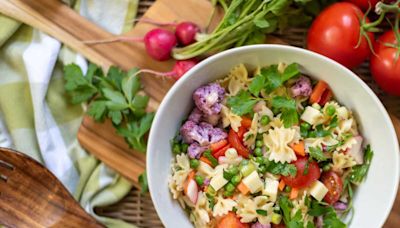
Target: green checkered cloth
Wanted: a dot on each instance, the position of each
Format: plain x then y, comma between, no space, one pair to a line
35,115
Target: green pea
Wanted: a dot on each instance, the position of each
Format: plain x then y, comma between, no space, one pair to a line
229,187
199,180
184,147
194,163
176,149
330,110
305,126
288,189
260,160
258,152
236,179
262,168
312,134
233,170
259,143
264,120
228,194
326,167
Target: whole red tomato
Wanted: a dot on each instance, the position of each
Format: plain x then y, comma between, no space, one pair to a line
364,4
385,68
334,184
307,173
335,33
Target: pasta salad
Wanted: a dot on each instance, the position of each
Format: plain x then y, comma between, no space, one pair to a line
269,148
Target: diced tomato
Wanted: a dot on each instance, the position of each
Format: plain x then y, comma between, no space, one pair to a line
221,152
241,132
218,145
246,122
307,173
231,221
334,184
236,143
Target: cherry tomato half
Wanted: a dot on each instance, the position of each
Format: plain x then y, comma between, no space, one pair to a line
234,140
385,68
334,184
307,173
335,33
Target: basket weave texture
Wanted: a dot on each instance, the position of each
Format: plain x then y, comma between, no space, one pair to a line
139,210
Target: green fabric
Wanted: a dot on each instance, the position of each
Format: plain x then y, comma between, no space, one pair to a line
35,115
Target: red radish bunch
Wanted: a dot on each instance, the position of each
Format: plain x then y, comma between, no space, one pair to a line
179,69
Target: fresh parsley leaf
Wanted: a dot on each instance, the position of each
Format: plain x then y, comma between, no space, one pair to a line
115,116
316,209
262,212
288,108
359,172
321,132
331,220
257,84
284,169
317,154
144,186
292,70
334,122
77,85
286,208
131,84
212,159
97,110
211,200
242,103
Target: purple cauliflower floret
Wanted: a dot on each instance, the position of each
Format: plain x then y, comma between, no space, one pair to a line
208,98
203,134
195,150
259,225
302,87
197,116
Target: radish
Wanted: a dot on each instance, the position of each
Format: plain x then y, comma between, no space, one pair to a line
185,31
158,42
356,150
191,190
179,69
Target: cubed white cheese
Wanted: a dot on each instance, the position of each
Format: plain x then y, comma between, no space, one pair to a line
311,115
318,190
253,182
205,169
218,181
271,188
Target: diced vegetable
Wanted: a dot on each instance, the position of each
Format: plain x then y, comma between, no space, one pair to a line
264,120
299,148
356,150
253,182
247,169
221,151
281,185
276,218
246,122
214,147
205,160
235,141
271,188
243,188
294,193
199,180
318,190
311,115
317,92
194,163
218,182
236,179
191,188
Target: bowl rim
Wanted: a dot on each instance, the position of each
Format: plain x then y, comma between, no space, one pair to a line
303,51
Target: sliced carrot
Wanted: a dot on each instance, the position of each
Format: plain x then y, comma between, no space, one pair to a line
243,188
317,92
294,193
204,159
299,148
218,145
326,96
246,122
281,185
221,152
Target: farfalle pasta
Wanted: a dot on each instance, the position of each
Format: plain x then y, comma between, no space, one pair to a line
267,147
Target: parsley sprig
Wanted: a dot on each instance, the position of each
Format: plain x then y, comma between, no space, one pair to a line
359,172
114,95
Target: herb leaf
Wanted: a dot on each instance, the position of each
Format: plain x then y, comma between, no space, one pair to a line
359,172
262,212
242,103
286,208
284,169
78,86
144,186
317,154
288,108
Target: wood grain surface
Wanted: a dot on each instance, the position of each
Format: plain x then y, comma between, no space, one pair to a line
31,196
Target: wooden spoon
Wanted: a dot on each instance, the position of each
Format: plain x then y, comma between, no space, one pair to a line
31,196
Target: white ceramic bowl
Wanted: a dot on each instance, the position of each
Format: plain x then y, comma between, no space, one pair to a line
373,199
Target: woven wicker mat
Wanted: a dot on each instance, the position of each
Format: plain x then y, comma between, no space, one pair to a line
138,209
